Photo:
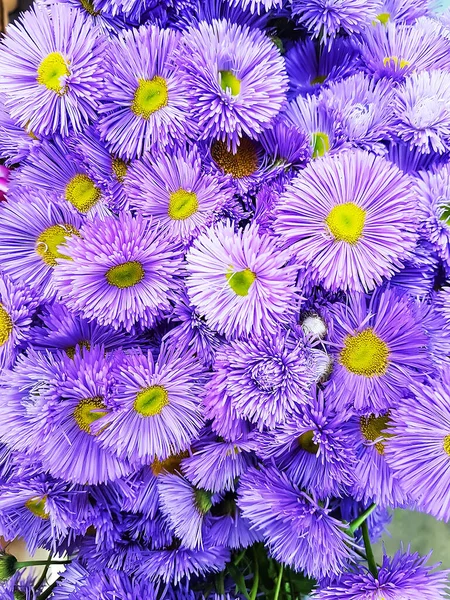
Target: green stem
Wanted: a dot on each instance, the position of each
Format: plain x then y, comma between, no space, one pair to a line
369,552
238,558
40,563
356,524
41,579
47,593
278,586
255,586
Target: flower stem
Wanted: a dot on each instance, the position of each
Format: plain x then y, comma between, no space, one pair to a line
41,579
255,586
356,524
40,563
47,593
279,580
369,552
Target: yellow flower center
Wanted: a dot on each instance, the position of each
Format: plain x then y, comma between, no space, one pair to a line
52,73
6,326
89,7
447,444
88,411
243,163
382,18
36,505
320,143
395,62
119,168
307,443
151,95
150,401
372,428
229,81
182,205
241,281
169,465
346,222
365,354
82,192
125,275
50,239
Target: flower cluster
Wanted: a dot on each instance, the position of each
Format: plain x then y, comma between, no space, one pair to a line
224,296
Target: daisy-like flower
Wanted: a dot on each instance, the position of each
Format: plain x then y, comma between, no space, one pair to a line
298,531
419,273
403,11
156,410
240,281
422,112
405,575
227,527
236,77
309,68
326,18
396,50
56,170
18,303
257,5
313,448
419,450
145,100
120,271
363,110
351,218
52,70
32,238
379,346
264,380
174,190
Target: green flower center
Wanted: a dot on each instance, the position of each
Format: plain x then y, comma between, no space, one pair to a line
82,192
395,62
125,275
202,501
241,281
52,72
150,96
150,401
6,326
169,465
243,163
88,411
119,168
70,351
50,239
346,222
317,81
365,354
89,7
182,205
372,428
320,143
229,81
307,443
383,18
447,444
36,506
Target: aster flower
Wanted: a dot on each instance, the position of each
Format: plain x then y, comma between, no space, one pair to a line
121,272
146,104
363,109
286,144
308,69
298,531
312,448
420,447
53,170
237,78
233,12
419,273
17,306
422,113
15,142
379,347
403,11
227,527
52,70
263,379
396,50
95,17
351,218
240,281
174,190
405,575
326,18
32,238
257,5
156,409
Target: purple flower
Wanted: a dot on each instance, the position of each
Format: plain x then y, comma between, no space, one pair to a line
145,104
405,575
351,218
52,70
298,531
257,5
155,412
121,272
420,447
15,142
379,347
236,78
240,281
404,11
